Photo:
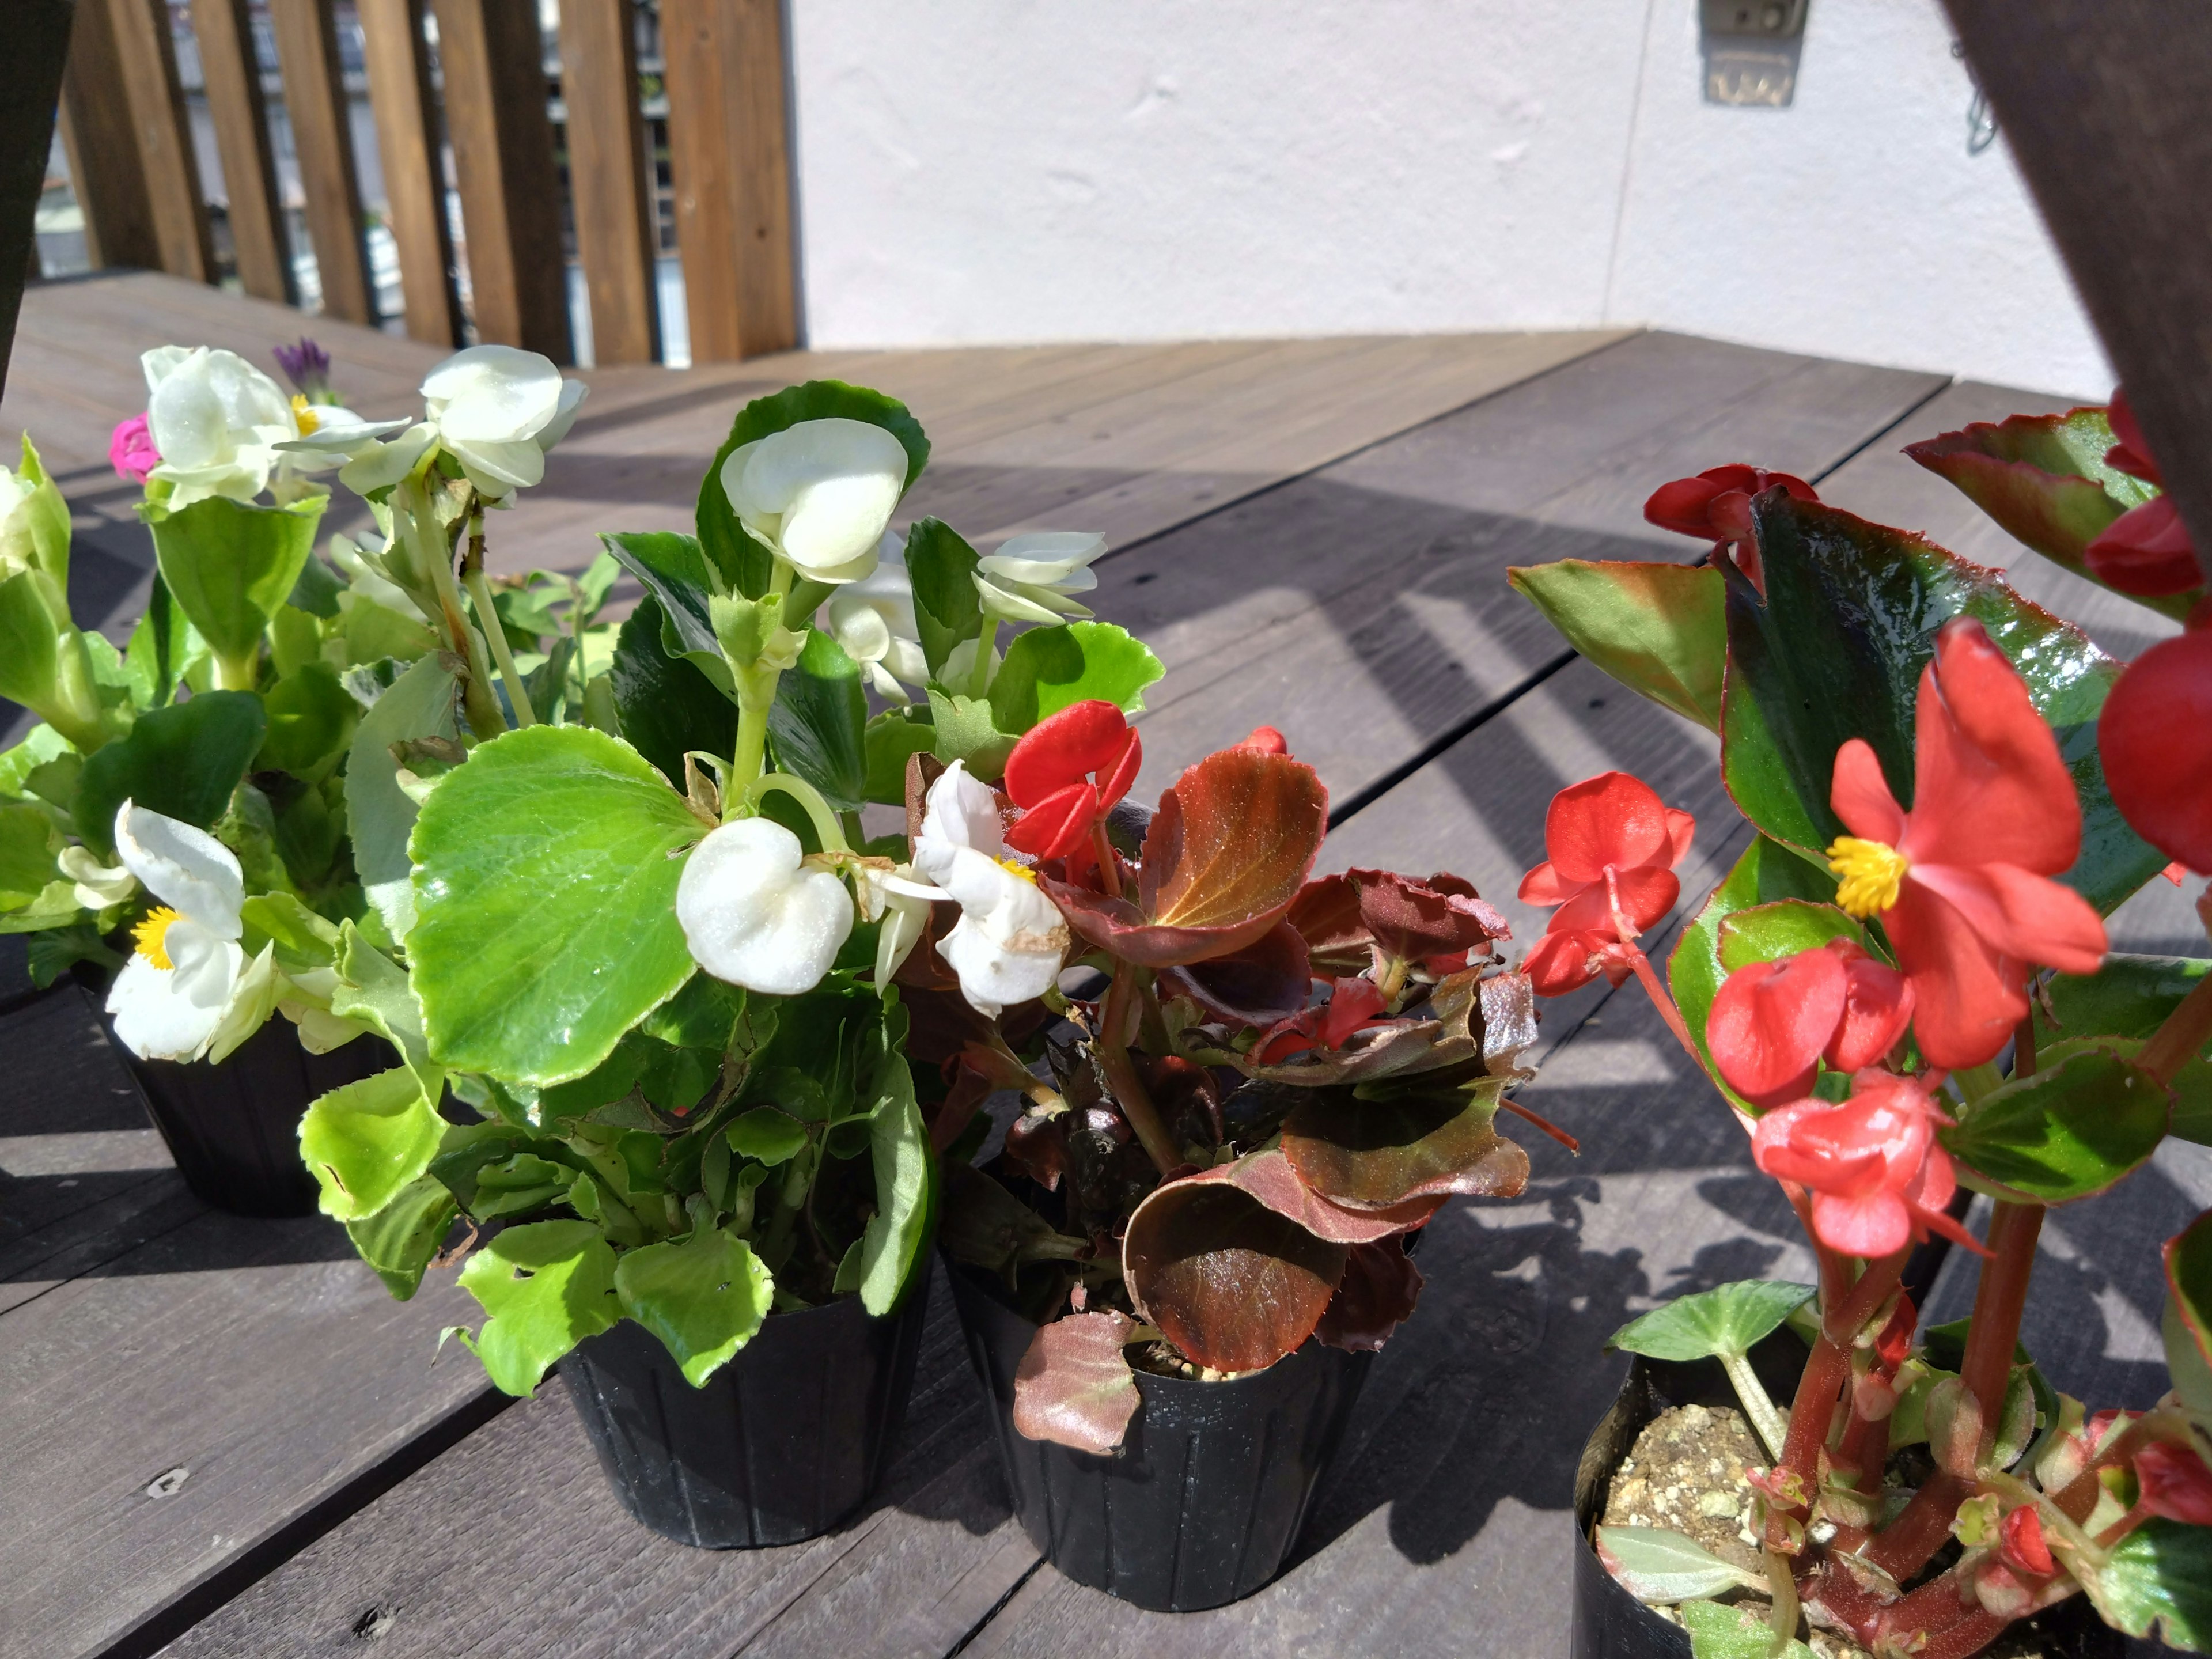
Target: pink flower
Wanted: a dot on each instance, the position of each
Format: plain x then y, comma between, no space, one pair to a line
130,451
1877,1177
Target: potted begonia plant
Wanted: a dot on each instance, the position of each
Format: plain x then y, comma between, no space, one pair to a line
180,823
1903,994
647,939
1194,1236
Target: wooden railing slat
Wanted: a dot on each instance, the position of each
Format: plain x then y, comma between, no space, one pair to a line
233,75
155,99
106,170
607,162
405,107
729,148
493,56
314,98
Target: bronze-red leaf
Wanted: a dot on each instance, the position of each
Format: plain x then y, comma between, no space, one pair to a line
1372,1154
1230,1282
1377,1295
1074,1386
1269,980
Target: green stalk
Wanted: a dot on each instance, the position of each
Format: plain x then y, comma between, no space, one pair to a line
1756,1406
495,636
756,696
415,520
979,678
818,810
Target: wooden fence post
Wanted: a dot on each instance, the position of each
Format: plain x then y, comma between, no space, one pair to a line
30,85
141,75
315,100
2104,102
729,147
494,59
232,71
607,163
105,168
400,96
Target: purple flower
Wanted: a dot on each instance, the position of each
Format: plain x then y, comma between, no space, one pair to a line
308,365
130,451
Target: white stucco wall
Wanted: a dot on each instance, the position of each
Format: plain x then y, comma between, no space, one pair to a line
1027,170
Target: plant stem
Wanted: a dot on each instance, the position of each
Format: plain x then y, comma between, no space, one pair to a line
1783,1581
416,523
1756,1405
1129,1090
1999,1299
756,696
495,636
979,678
2182,1034
825,821
1665,1004
1811,1414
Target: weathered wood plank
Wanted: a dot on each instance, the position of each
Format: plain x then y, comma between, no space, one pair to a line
107,173
322,137
232,72
398,59
147,85
608,167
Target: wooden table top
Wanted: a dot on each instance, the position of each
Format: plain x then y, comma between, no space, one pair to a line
1311,533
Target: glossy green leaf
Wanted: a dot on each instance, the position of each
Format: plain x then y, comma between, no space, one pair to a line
230,565
400,1239
703,1296
2084,1120
28,844
1046,669
676,571
1835,651
772,1136
892,739
164,645
545,897
1660,630
2188,1318
667,705
894,1248
184,761
304,941
1725,1319
818,721
744,560
376,991
28,628
947,610
1784,927
2044,478
545,1287
2130,997
316,591
518,1186
2157,1583
700,1016
966,730
311,720
1658,1565
366,1142
380,814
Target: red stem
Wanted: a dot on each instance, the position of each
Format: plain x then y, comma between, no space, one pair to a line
1999,1300
2181,1035
1109,871
1545,1124
1811,1414
1904,1547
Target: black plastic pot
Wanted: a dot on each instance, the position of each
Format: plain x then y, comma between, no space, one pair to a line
1611,1624
783,1444
1212,1484
233,1128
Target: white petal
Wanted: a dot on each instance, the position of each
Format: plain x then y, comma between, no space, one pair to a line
905,919
187,869
98,885
344,435
497,468
906,661
1013,602
493,393
860,629
159,363
1043,555
564,414
252,998
1010,939
960,666
827,487
752,915
960,813
172,1014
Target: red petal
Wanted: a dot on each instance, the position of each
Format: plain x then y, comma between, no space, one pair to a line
1861,797
1875,1224
1966,997
1612,818
1730,517
2175,1484
1066,748
1877,1007
1647,893
1789,482
1351,1004
1681,833
1267,740
2146,551
2157,764
1770,1021
1561,963
1542,885
1057,824
1989,787
1681,506
2023,1546
2031,917
2131,454
1114,779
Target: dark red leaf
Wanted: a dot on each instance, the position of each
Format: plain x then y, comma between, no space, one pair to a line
1370,1154
1375,1297
1327,915
1074,1386
1412,920
1267,981
1232,843
1232,1283
1268,1176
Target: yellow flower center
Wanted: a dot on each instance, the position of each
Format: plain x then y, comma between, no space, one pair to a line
304,413
1021,870
150,935
1870,872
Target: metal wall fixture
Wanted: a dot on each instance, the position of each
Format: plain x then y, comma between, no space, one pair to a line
1751,49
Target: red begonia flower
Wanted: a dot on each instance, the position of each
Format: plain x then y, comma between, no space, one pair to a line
2157,764
1771,1023
1962,881
1049,776
1612,842
2175,1484
2131,454
1352,1005
2020,1542
1716,505
1877,1177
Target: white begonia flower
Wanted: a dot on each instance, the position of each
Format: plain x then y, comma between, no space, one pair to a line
820,493
216,421
873,619
754,913
1029,577
189,989
901,899
1010,939
98,885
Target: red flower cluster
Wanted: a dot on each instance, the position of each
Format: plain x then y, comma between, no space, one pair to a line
1050,777
1614,847
2146,550
1716,507
1772,1023
1877,1176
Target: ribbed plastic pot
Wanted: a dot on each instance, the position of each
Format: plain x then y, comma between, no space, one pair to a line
1211,1486
783,1442
1611,1624
233,1128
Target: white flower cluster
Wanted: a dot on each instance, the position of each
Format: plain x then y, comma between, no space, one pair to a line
225,428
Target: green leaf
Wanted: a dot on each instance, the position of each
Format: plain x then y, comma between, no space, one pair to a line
546,1287
28,845
545,894
1660,630
1766,874
675,571
28,630
41,745
772,1136
2084,1120
703,1296
1725,1319
2188,1318
948,611
966,730
892,739
310,719
230,565
894,1249
1719,1631
1049,668
316,591
163,647
744,563
366,1142
374,990
2157,1583
186,761
304,941
1658,1564
380,814
2043,477
667,705
2130,997
1768,933
818,721
1835,651
46,519
700,1016
519,1185
400,1240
